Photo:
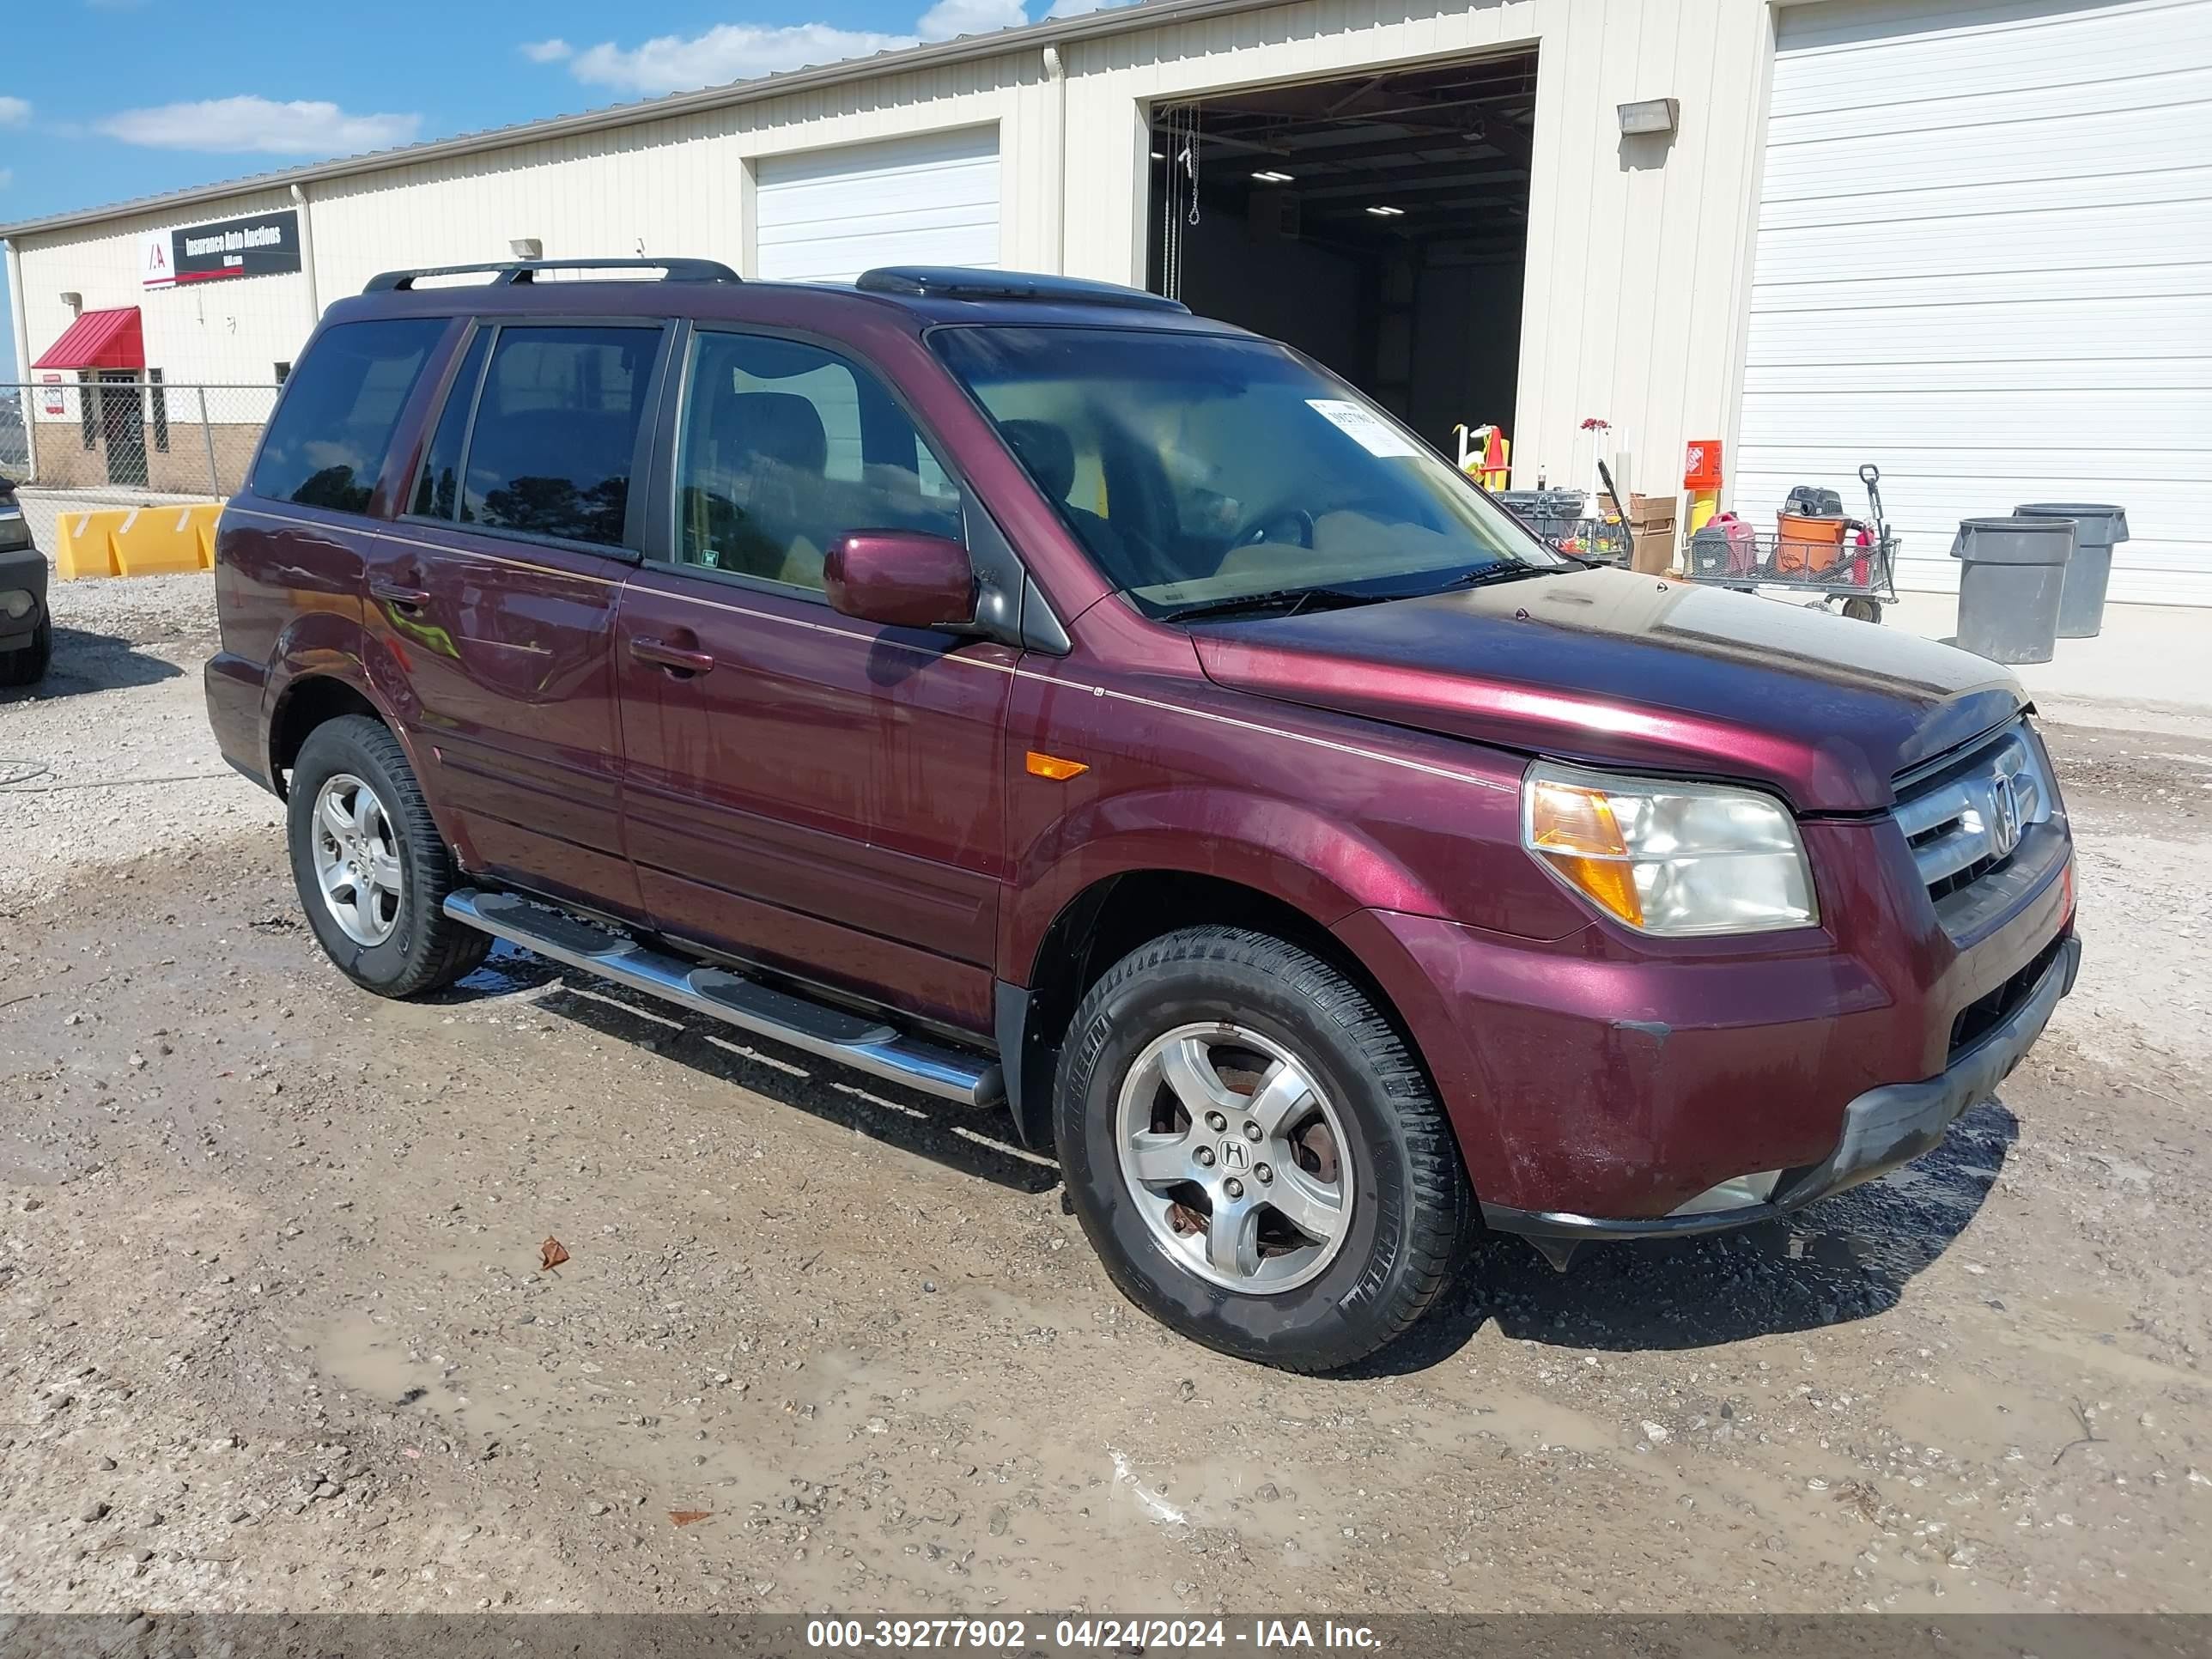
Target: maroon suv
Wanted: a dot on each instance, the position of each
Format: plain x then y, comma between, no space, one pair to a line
1016,686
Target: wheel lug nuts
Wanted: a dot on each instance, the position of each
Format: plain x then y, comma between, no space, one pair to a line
1251,1131
1215,1121
1233,1187
1205,1156
1265,1174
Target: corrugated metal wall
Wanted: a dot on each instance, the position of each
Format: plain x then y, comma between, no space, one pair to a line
1637,257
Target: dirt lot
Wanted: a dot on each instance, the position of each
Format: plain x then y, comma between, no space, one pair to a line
273,1334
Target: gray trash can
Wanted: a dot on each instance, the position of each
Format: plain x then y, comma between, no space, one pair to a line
2081,605
2012,571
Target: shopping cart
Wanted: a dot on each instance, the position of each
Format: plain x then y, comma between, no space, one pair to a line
1856,573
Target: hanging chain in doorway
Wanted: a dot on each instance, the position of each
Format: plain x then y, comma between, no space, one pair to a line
1179,196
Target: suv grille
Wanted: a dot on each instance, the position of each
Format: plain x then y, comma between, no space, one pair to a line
1965,820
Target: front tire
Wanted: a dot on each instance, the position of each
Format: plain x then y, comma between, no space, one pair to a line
1255,1155
372,869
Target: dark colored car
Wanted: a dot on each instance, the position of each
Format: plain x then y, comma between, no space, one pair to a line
1014,686
26,634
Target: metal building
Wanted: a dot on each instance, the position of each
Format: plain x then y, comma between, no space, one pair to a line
1965,239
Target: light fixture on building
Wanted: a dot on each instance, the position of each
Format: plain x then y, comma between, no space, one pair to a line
1269,176
1651,115
73,300
1159,156
526,247
1387,212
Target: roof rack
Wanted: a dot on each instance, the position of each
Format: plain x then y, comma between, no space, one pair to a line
964,282
516,273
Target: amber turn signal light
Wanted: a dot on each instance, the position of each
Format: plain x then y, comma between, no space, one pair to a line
1051,766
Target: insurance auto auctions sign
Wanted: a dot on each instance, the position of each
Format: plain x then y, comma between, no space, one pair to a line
265,245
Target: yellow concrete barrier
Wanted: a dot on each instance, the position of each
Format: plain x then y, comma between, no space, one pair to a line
84,544
141,541
158,541
205,517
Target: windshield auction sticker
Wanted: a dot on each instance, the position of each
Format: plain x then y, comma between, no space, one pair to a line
1366,429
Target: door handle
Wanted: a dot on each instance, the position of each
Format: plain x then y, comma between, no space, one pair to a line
407,599
676,658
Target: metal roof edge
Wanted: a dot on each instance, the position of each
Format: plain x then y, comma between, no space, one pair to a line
1110,20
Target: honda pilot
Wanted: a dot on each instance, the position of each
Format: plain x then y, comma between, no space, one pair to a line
1022,690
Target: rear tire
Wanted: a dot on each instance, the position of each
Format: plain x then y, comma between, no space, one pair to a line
27,663
357,816
1322,1213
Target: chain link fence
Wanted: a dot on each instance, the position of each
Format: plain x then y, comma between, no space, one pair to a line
123,439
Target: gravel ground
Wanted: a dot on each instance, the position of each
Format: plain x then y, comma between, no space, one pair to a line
117,726
274,1333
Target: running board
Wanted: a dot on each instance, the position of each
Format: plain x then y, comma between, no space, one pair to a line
855,1039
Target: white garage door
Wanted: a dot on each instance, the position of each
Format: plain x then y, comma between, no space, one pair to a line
1984,264
829,215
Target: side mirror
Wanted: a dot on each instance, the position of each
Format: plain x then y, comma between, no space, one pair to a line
900,577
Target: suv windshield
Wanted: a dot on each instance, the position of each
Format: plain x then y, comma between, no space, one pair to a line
1205,472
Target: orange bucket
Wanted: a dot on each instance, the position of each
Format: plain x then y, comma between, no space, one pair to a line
1806,547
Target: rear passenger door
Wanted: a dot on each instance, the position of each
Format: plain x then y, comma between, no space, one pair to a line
817,793
497,589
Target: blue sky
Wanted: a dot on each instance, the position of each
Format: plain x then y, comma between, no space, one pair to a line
103,100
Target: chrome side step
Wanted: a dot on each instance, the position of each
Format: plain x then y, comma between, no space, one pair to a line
855,1039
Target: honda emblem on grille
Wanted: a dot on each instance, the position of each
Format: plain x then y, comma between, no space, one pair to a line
2003,829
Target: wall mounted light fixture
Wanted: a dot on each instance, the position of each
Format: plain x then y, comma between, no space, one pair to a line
1650,115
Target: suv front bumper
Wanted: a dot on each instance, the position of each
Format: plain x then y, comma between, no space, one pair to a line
1883,1128
22,571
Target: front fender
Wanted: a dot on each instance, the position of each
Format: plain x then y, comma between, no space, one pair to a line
1289,851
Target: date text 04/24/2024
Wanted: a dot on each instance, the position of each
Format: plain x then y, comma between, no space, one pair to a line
1134,1635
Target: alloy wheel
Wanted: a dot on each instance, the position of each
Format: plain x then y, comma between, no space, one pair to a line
1235,1157
357,859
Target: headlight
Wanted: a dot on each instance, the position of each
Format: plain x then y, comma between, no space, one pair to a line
1669,858
16,604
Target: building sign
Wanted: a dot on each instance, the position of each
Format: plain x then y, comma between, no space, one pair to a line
265,245
53,400
157,265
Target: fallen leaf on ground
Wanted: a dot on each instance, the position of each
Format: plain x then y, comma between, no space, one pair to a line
552,1253
685,1517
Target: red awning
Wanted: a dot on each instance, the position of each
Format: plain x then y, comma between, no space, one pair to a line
100,339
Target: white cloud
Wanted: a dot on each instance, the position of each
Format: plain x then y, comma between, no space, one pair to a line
950,17
728,51
547,51
738,51
259,125
14,112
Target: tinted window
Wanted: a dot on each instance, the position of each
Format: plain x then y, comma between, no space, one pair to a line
556,429
438,485
784,448
327,441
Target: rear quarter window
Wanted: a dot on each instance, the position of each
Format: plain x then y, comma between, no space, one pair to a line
330,435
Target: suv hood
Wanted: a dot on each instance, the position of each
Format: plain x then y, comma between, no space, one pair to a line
1611,668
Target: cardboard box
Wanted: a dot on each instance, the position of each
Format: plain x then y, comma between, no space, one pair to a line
1651,527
